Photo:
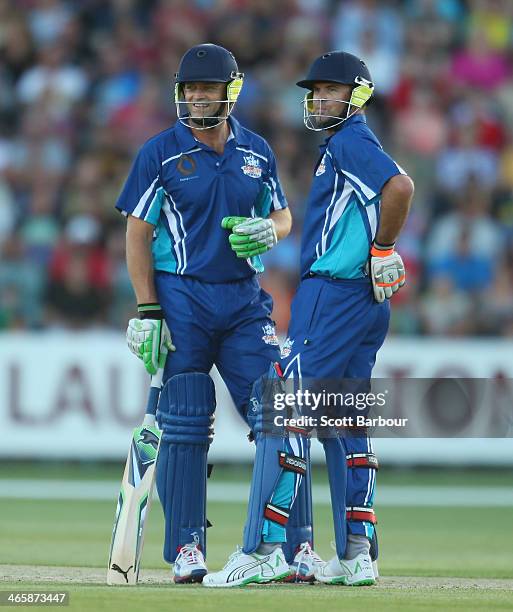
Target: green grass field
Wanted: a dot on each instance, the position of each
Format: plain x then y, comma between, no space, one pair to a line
457,558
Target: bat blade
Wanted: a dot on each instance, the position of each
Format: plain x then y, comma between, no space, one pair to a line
133,507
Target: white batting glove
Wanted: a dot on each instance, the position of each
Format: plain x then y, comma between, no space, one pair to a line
258,230
149,338
386,270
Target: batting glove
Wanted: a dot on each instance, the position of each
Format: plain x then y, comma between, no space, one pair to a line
149,337
253,237
386,270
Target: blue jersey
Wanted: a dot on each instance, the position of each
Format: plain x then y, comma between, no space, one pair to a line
184,188
343,206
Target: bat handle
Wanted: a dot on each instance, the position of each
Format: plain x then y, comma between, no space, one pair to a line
153,398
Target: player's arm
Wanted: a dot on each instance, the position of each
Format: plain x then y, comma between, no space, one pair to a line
139,236
148,337
386,266
396,200
282,220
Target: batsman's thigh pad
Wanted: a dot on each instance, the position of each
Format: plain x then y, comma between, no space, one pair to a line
300,524
278,469
185,415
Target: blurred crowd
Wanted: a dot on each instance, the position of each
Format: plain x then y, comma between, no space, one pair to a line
84,84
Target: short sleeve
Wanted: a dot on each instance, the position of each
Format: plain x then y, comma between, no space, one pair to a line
271,179
143,194
365,165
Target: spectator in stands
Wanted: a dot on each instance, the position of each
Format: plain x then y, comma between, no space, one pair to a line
83,84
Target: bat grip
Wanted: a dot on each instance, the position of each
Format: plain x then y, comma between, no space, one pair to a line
153,397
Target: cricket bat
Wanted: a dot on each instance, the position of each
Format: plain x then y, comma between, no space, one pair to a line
135,495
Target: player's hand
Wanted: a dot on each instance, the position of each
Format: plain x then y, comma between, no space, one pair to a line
149,338
253,237
387,271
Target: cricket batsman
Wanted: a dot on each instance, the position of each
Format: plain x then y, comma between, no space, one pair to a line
357,206
203,200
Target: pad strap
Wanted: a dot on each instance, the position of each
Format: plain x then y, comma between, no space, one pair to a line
362,460
276,514
292,463
354,513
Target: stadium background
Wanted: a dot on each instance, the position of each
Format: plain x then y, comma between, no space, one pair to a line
84,84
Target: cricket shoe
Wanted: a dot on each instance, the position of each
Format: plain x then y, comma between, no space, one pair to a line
303,565
351,572
242,569
189,564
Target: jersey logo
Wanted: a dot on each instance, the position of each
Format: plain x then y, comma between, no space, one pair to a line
270,336
287,348
186,165
321,168
252,166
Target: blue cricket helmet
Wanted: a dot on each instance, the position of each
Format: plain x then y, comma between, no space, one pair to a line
336,67
208,63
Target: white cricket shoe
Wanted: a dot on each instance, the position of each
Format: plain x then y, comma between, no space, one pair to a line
242,569
189,565
303,565
351,572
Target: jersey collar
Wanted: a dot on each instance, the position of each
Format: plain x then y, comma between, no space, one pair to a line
238,133
187,141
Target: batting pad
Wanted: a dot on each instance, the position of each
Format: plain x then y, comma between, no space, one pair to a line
300,525
185,416
277,472
337,474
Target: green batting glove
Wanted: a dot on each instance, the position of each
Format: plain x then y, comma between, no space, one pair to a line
230,222
149,337
262,231
245,247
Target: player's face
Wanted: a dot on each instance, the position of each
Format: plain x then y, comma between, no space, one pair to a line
203,99
329,99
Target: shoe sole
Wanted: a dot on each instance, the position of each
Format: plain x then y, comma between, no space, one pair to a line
342,580
246,581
